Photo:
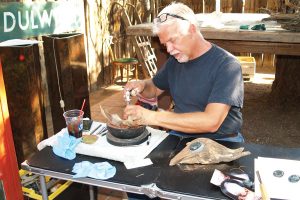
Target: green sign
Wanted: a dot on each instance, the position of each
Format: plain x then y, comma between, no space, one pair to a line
23,20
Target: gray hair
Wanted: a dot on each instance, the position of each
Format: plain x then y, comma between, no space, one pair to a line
181,10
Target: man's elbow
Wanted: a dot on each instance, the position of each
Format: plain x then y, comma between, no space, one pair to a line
213,126
213,130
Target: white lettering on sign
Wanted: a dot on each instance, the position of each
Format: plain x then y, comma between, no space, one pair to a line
27,18
45,18
6,28
23,27
33,25
23,20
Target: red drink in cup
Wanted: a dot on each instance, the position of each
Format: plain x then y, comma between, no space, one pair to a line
74,122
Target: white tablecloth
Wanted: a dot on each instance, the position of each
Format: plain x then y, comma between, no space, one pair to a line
101,148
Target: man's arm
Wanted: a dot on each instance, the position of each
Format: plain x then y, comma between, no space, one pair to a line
196,122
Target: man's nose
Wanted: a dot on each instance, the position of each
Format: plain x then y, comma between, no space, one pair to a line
169,47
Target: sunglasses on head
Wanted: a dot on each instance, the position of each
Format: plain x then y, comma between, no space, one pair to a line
163,17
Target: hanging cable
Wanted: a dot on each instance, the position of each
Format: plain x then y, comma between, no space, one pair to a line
61,102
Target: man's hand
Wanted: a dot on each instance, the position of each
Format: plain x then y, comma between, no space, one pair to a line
144,88
139,115
135,87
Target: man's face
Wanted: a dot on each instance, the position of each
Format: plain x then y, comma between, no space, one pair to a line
176,43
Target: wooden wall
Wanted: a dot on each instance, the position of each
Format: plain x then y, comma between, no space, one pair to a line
103,26
103,19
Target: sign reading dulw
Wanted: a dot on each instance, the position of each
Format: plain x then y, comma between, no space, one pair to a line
23,20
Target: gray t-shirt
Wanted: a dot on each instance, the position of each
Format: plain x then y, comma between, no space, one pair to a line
214,77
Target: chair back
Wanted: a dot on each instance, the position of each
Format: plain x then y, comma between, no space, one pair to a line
142,44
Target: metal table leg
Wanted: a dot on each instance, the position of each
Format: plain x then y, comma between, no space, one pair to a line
43,187
92,194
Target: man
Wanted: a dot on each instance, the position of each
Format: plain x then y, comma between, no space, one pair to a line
205,82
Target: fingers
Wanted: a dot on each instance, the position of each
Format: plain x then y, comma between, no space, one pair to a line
135,114
135,92
135,87
131,111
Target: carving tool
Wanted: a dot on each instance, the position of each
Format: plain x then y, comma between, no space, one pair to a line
127,97
95,129
149,138
262,187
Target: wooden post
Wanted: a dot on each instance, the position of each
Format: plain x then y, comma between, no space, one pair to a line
22,78
66,75
286,86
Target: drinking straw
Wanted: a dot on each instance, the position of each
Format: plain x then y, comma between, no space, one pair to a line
83,103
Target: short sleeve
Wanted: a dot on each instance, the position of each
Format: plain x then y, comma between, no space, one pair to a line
160,80
228,86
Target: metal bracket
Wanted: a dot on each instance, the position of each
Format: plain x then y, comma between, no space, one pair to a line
151,190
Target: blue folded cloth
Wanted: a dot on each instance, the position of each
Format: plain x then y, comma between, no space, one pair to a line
65,146
102,170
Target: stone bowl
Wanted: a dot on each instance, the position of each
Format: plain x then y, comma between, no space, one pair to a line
125,132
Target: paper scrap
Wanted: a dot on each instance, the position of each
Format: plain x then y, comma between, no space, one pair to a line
277,187
138,163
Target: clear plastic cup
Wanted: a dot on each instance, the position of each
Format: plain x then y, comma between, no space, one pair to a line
74,122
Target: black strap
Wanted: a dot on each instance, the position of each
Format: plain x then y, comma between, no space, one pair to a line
226,192
212,136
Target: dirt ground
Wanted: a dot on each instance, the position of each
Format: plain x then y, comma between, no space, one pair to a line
265,123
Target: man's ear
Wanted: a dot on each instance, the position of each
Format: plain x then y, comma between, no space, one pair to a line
192,28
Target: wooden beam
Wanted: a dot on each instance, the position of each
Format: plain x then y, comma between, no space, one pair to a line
259,47
273,35
144,29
